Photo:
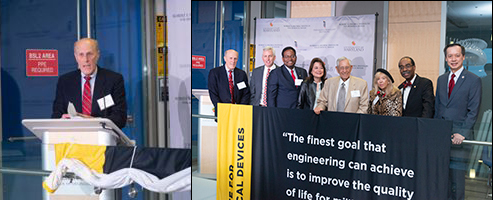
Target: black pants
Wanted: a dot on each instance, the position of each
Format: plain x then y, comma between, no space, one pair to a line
456,184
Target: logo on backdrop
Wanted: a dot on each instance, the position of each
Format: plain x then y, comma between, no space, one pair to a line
324,37
271,28
354,48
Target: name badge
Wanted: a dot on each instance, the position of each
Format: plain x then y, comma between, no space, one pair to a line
106,102
355,93
375,100
241,85
298,82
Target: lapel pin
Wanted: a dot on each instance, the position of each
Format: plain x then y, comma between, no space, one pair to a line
414,86
462,76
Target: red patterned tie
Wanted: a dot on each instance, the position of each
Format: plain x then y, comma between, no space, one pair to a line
407,84
86,98
451,85
264,100
231,86
292,75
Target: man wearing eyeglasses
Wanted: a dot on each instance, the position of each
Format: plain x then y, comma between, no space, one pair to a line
344,93
418,99
283,84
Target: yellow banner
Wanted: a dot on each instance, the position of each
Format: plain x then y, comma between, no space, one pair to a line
234,151
91,155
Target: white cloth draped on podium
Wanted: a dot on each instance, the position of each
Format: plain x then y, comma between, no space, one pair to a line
177,182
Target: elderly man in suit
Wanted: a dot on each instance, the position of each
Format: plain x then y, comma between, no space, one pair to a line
94,91
284,82
344,93
258,81
458,96
418,99
228,84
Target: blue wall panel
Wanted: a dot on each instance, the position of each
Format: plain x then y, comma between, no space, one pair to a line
52,24
30,25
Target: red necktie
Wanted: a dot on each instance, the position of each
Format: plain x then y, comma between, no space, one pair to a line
86,97
264,100
231,86
407,84
292,75
451,85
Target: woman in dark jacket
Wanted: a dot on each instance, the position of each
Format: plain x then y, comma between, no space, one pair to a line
312,85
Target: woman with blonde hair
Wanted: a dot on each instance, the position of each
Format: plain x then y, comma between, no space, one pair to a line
385,98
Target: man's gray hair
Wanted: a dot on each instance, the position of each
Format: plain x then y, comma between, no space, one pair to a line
270,48
341,59
93,41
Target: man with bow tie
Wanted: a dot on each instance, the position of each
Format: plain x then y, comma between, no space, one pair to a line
417,92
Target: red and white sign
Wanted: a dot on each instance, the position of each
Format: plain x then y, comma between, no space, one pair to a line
198,62
41,62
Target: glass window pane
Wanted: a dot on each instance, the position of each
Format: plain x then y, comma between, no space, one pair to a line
469,23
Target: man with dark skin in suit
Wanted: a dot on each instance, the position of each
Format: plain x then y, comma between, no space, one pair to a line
283,84
418,99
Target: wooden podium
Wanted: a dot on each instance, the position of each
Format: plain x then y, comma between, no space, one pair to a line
92,131
207,140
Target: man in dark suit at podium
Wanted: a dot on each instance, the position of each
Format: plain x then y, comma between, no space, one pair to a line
228,84
94,91
418,99
284,82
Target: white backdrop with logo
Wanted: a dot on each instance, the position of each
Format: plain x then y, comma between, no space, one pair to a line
327,38
179,54
180,90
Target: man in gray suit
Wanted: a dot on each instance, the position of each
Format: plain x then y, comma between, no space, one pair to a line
258,84
458,96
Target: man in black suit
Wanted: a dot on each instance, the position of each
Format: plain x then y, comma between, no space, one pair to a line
284,83
94,91
418,99
227,80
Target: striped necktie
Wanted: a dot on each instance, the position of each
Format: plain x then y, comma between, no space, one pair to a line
264,100
231,87
86,98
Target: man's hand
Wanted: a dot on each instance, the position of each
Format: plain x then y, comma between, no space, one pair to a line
67,116
317,110
84,115
457,138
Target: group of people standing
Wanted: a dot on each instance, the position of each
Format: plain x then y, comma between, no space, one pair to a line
289,86
458,94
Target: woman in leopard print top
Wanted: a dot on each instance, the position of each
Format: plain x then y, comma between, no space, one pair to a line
385,98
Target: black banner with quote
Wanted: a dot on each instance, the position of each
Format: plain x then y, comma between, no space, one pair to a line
300,155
